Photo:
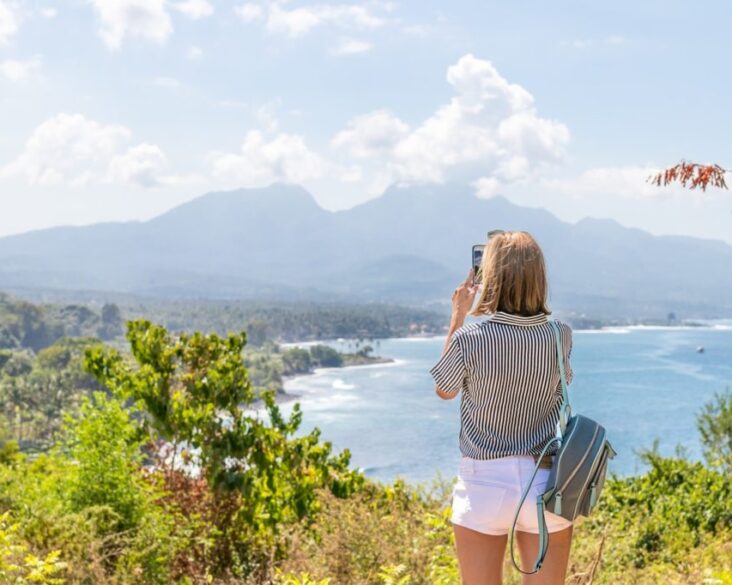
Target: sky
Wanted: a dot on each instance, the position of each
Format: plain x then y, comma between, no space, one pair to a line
115,110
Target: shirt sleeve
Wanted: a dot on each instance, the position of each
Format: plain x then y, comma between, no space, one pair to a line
449,372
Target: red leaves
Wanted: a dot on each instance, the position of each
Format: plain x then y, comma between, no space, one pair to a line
692,175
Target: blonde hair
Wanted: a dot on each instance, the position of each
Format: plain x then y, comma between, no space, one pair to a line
513,275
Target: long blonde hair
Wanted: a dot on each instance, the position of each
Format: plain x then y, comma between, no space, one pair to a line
513,275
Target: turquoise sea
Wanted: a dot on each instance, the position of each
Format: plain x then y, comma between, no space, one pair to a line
642,383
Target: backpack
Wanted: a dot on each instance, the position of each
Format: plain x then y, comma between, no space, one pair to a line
578,471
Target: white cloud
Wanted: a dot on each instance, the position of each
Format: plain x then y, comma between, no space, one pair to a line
488,133
17,70
249,12
118,19
48,12
628,182
141,165
9,20
266,116
73,150
195,9
371,135
262,160
352,47
297,22
486,186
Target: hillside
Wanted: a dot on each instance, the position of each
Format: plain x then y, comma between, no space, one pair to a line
408,246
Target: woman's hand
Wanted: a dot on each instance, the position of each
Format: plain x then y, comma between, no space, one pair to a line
462,299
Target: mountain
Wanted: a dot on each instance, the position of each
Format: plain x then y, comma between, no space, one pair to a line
410,245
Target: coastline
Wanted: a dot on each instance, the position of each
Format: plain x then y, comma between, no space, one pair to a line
285,396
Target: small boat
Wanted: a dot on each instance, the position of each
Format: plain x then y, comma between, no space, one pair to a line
700,349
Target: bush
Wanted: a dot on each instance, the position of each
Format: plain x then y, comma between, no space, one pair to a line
104,446
258,477
715,427
20,566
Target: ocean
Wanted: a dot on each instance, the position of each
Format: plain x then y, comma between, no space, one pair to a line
644,384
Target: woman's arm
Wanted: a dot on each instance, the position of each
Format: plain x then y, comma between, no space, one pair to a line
462,301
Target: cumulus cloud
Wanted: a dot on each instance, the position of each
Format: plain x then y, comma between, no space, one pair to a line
9,20
371,135
19,70
141,165
489,133
262,160
195,9
118,19
297,22
71,149
249,12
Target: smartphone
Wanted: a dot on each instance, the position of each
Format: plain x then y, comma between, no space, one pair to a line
477,259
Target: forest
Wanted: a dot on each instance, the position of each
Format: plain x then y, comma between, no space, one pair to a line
144,461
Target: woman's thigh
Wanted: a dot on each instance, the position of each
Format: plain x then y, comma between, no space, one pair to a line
554,569
480,556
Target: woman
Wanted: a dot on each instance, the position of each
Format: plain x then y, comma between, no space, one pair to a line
506,367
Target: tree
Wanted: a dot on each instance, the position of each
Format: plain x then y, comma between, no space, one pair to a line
325,357
195,393
715,427
112,322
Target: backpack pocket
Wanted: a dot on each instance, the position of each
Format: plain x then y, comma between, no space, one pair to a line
596,480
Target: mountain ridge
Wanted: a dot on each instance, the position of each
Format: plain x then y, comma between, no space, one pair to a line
410,245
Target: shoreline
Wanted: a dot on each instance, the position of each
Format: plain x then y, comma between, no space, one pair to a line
603,329
285,396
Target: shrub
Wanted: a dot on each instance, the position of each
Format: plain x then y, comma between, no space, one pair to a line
194,391
20,566
715,427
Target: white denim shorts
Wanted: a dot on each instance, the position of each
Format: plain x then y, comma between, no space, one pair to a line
488,490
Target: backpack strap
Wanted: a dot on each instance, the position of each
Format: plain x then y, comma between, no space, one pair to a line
565,409
543,532
564,414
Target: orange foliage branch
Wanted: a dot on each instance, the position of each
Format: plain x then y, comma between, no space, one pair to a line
692,175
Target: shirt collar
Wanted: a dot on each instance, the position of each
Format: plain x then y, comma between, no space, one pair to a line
511,319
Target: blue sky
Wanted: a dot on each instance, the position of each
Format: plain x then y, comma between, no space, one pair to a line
121,109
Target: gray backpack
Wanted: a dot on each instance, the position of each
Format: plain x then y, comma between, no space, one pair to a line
578,472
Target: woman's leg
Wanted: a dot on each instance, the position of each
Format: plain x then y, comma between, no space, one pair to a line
480,556
554,569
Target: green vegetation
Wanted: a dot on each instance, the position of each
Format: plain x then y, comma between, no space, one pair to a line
35,326
287,322
26,325
37,389
155,469
270,364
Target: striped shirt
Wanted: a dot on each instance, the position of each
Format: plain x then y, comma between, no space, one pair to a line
506,367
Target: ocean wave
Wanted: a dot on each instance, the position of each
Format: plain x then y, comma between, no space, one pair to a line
339,384
611,330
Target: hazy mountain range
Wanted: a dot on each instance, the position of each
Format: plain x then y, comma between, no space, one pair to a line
412,245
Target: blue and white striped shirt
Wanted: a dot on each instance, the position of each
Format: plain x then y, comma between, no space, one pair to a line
506,367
